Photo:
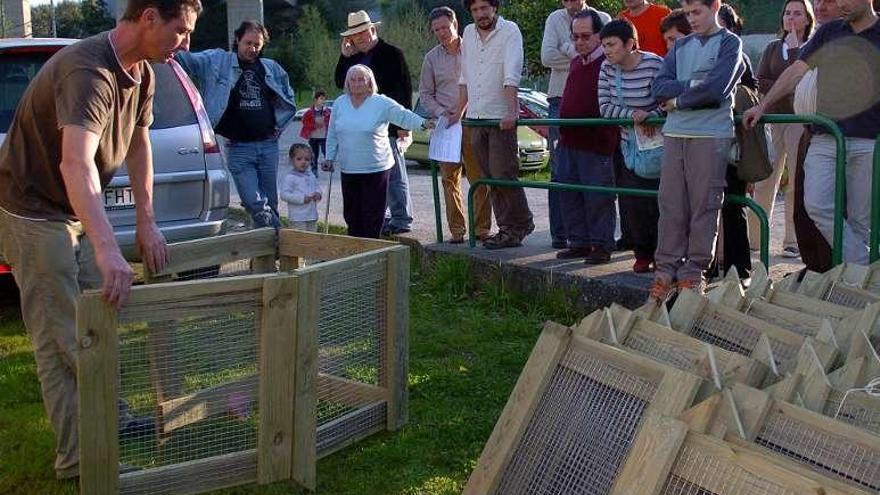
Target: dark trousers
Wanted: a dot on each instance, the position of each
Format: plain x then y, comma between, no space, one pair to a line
735,228
638,215
554,202
589,217
363,203
317,145
815,250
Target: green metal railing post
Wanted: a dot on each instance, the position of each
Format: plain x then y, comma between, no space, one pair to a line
875,204
763,221
839,190
556,186
438,218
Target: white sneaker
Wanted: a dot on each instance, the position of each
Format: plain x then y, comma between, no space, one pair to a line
791,252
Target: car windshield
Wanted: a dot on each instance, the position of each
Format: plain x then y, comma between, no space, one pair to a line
16,71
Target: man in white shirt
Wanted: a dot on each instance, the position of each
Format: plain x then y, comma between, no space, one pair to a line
557,52
491,65
438,94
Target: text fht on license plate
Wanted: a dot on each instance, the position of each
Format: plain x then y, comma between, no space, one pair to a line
118,198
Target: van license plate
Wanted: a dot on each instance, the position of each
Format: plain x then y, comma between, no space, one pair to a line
118,198
534,157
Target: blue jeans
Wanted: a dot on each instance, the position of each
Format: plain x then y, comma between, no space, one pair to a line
589,217
399,200
254,168
557,224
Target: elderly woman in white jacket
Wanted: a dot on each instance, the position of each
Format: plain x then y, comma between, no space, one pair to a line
357,142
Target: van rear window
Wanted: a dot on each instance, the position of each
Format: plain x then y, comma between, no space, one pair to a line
171,106
16,71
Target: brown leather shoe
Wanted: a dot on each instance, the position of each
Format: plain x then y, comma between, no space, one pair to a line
598,256
573,253
502,240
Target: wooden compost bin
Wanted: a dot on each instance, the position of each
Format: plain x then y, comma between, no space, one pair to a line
240,364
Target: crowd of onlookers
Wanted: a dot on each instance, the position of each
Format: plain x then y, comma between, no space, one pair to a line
687,65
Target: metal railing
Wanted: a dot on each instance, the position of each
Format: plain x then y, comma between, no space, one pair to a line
874,252
839,191
621,191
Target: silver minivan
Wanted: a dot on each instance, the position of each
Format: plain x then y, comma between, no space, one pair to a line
191,183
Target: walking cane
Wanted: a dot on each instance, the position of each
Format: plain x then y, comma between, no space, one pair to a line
327,205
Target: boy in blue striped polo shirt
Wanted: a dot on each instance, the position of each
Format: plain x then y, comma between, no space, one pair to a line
695,87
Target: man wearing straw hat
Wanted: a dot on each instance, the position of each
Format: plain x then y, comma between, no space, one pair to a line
361,45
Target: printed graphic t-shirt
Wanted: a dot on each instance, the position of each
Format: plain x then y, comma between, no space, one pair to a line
249,116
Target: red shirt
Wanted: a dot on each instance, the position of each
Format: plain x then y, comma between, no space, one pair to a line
580,100
648,27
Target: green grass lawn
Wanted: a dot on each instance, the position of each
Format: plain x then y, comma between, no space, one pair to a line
467,347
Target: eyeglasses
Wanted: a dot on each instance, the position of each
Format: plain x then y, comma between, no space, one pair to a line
360,78
584,36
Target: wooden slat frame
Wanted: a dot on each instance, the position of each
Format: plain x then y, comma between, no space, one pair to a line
210,251
278,375
675,391
750,408
654,458
299,244
520,407
97,369
305,399
732,367
815,389
690,306
288,309
396,350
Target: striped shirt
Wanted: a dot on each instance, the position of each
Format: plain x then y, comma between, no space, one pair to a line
635,86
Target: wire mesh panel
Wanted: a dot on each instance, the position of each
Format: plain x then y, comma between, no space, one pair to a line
187,392
727,334
661,350
582,429
737,336
351,352
221,270
850,297
825,452
697,472
858,409
799,323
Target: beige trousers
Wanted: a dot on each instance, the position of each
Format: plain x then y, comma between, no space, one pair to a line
52,263
451,177
785,140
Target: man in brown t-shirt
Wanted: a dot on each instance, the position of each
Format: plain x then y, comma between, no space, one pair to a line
87,110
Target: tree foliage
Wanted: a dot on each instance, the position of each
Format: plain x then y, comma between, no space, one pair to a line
407,29
313,52
72,19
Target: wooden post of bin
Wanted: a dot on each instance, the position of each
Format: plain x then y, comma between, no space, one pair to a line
305,427
97,371
396,339
277,376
